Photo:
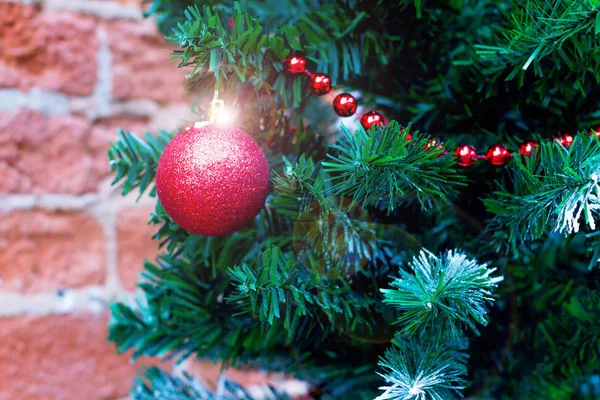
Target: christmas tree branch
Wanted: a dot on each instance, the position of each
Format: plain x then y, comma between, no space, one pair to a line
414,370
158,385
299,188
381,166
228,43
277,286
440,296
216,253
323,231
234,51
561,32
553,191
182,313
134,160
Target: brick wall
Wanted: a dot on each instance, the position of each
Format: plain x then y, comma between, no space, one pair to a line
71,71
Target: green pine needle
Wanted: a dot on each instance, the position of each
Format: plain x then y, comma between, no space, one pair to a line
134,160
380,166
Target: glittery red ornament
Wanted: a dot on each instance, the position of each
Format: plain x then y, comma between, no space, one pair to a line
212,181
527,148
319,84
498,155
596,132
295,64
566,139
367,120
466,154
344,105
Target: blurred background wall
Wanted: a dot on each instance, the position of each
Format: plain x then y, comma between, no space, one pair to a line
71,71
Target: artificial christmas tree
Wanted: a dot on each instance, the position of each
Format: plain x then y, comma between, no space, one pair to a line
347,278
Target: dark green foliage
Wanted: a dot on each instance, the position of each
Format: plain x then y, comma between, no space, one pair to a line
278,286
182,315
299,289
553,38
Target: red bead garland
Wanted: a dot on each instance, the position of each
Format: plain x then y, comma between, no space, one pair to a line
498,155
466,154
295,64
566,139
319,84
370,119
527,148
344,105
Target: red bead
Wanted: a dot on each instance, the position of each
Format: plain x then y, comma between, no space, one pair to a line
295,64
566,139
320,84
498,155
409,135
433,143
371,118
466,154
344,105
527,148
212,181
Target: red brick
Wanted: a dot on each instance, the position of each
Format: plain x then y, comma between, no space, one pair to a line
142,66
135,244
50,50
41,154
43,250
61,357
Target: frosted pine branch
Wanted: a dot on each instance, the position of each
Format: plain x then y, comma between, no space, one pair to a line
442,294
416,372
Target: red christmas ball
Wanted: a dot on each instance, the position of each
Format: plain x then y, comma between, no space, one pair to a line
212,181
566,139
596,132
466,154
527,148
295,64
371,118
320,84
498,155
344,105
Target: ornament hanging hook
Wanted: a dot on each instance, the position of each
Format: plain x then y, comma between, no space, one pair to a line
216,107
